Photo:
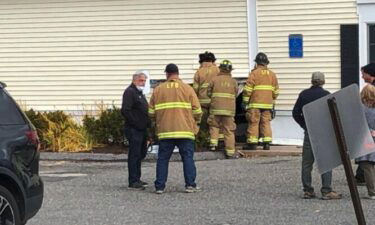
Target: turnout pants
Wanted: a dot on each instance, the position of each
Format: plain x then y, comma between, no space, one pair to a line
227,126
259,125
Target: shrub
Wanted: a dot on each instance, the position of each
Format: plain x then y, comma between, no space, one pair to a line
58,132
107,128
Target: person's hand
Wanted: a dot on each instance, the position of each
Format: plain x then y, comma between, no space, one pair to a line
373,133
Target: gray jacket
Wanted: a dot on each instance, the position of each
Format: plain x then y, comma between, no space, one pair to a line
370,117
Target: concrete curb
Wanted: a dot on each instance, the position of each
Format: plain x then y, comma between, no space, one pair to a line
198,156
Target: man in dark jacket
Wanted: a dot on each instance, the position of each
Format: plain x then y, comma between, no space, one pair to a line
309,95
135,111
368,73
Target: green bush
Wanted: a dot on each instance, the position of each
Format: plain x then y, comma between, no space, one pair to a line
57,131
107,128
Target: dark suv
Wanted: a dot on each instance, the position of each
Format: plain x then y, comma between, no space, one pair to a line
21,188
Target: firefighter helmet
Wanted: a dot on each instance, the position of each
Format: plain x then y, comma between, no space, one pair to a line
207,57
226,65
262,59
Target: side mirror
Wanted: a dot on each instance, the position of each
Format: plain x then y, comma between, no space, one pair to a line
3,85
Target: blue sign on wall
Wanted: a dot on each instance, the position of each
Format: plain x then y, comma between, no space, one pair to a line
295,46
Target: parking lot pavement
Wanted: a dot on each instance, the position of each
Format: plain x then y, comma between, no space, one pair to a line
244,191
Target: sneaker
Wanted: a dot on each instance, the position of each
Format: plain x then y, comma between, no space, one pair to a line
136,186
308,195
191,189
266,146
159,192
144,184
331,195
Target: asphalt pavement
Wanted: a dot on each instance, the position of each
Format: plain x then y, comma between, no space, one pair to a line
244,191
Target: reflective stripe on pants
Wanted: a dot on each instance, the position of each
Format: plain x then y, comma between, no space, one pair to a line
259,125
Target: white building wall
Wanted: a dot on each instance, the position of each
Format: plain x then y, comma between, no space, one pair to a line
319,22
73,54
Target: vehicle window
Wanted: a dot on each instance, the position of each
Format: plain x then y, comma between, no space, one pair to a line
9,112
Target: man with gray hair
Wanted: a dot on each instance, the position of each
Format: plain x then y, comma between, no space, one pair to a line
315,92
135,111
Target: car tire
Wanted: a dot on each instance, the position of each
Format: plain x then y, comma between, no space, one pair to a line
9,210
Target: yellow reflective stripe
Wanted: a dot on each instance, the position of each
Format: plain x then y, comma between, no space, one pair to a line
222,95
151,111
197,111
264,88
228,150
252,139
245,99
267,139
206,100
221,136
176,134
172,105
247,88
221,112
195,85
260,106
277,91
205,85
214,142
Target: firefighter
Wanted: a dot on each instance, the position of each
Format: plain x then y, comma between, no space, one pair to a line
202,79
222,91
259,95
175,109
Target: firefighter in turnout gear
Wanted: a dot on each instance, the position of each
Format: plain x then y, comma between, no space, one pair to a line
259,95
175,109
222,91
202,78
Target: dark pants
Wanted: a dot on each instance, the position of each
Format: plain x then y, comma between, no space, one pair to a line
307,166
186,150
137,152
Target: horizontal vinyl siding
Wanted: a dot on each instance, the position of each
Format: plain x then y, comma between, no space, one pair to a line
74,54
319,23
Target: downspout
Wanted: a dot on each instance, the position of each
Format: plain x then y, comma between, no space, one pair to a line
252,31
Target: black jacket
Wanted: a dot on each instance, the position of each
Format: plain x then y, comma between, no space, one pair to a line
305,97
135,108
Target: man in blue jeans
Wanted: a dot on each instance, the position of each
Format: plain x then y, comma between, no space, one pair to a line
315,92
135,111
175,109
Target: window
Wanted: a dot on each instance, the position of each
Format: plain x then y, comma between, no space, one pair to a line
372,42
9,112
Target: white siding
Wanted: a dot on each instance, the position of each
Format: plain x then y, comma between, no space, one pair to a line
72,54
319,23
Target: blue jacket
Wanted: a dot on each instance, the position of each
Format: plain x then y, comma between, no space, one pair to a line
370,117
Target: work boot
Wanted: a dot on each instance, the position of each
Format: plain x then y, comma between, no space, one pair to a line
331,195
266,146
213,148
249,146
159,192
234,156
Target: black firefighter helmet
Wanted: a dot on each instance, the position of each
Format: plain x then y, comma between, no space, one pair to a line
207,57
262,59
